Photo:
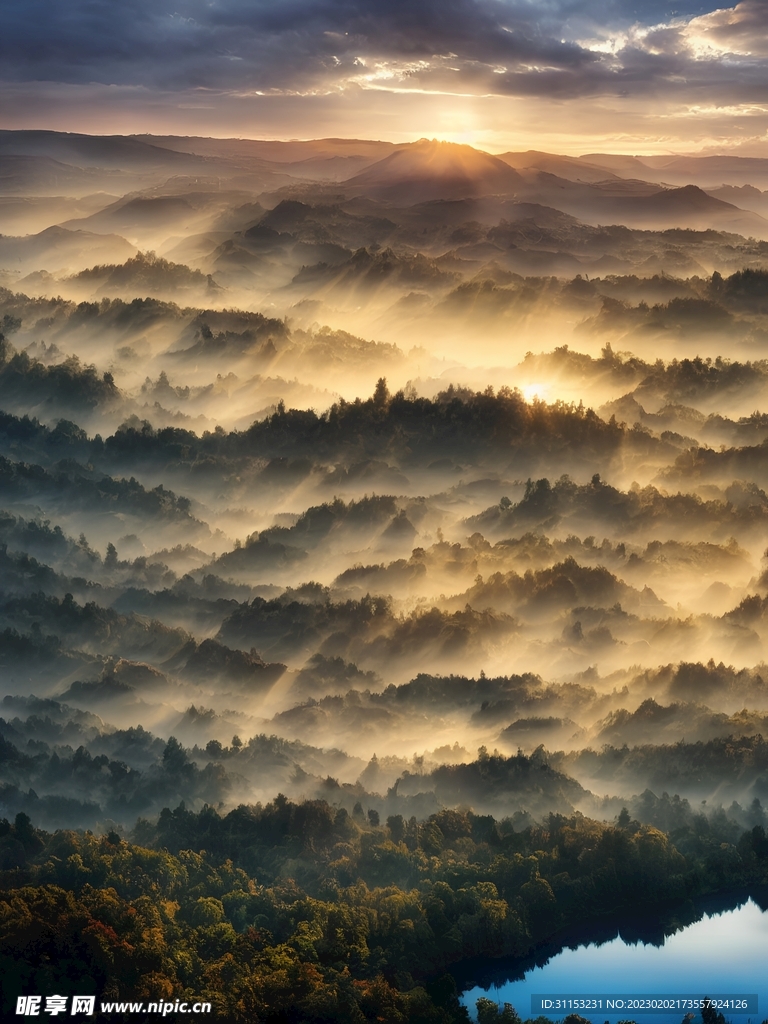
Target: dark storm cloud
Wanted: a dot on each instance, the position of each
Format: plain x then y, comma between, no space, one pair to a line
296,44
472,46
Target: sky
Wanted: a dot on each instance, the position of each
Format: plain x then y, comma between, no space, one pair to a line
572,76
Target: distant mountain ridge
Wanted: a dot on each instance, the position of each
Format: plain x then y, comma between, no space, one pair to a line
428,169
188,184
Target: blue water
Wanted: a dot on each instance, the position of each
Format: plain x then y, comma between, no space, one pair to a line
721,953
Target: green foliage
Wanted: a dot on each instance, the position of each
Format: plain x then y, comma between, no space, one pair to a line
74,488
68,385
409,430
301,913
489,1012
628,513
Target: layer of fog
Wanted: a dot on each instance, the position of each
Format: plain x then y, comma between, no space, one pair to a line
387,465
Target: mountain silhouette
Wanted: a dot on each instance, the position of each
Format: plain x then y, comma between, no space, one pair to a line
429,170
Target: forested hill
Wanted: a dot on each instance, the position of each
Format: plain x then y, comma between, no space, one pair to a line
365,928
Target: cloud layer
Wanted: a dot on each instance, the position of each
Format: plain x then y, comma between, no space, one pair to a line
454,46
230,51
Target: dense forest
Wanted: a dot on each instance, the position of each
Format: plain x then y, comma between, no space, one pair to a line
304,912
383,571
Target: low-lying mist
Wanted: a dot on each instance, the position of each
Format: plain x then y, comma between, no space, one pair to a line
384,491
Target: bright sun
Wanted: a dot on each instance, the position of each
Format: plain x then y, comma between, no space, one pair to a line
531,391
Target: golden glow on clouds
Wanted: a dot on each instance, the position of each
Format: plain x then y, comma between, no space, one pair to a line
496,124
608,46
745,110
717,34
388,73
458,100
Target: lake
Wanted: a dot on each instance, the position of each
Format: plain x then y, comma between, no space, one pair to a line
724,952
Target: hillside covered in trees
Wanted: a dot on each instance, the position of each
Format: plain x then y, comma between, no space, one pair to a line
383,569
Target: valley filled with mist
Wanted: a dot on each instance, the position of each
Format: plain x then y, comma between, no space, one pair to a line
388,521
